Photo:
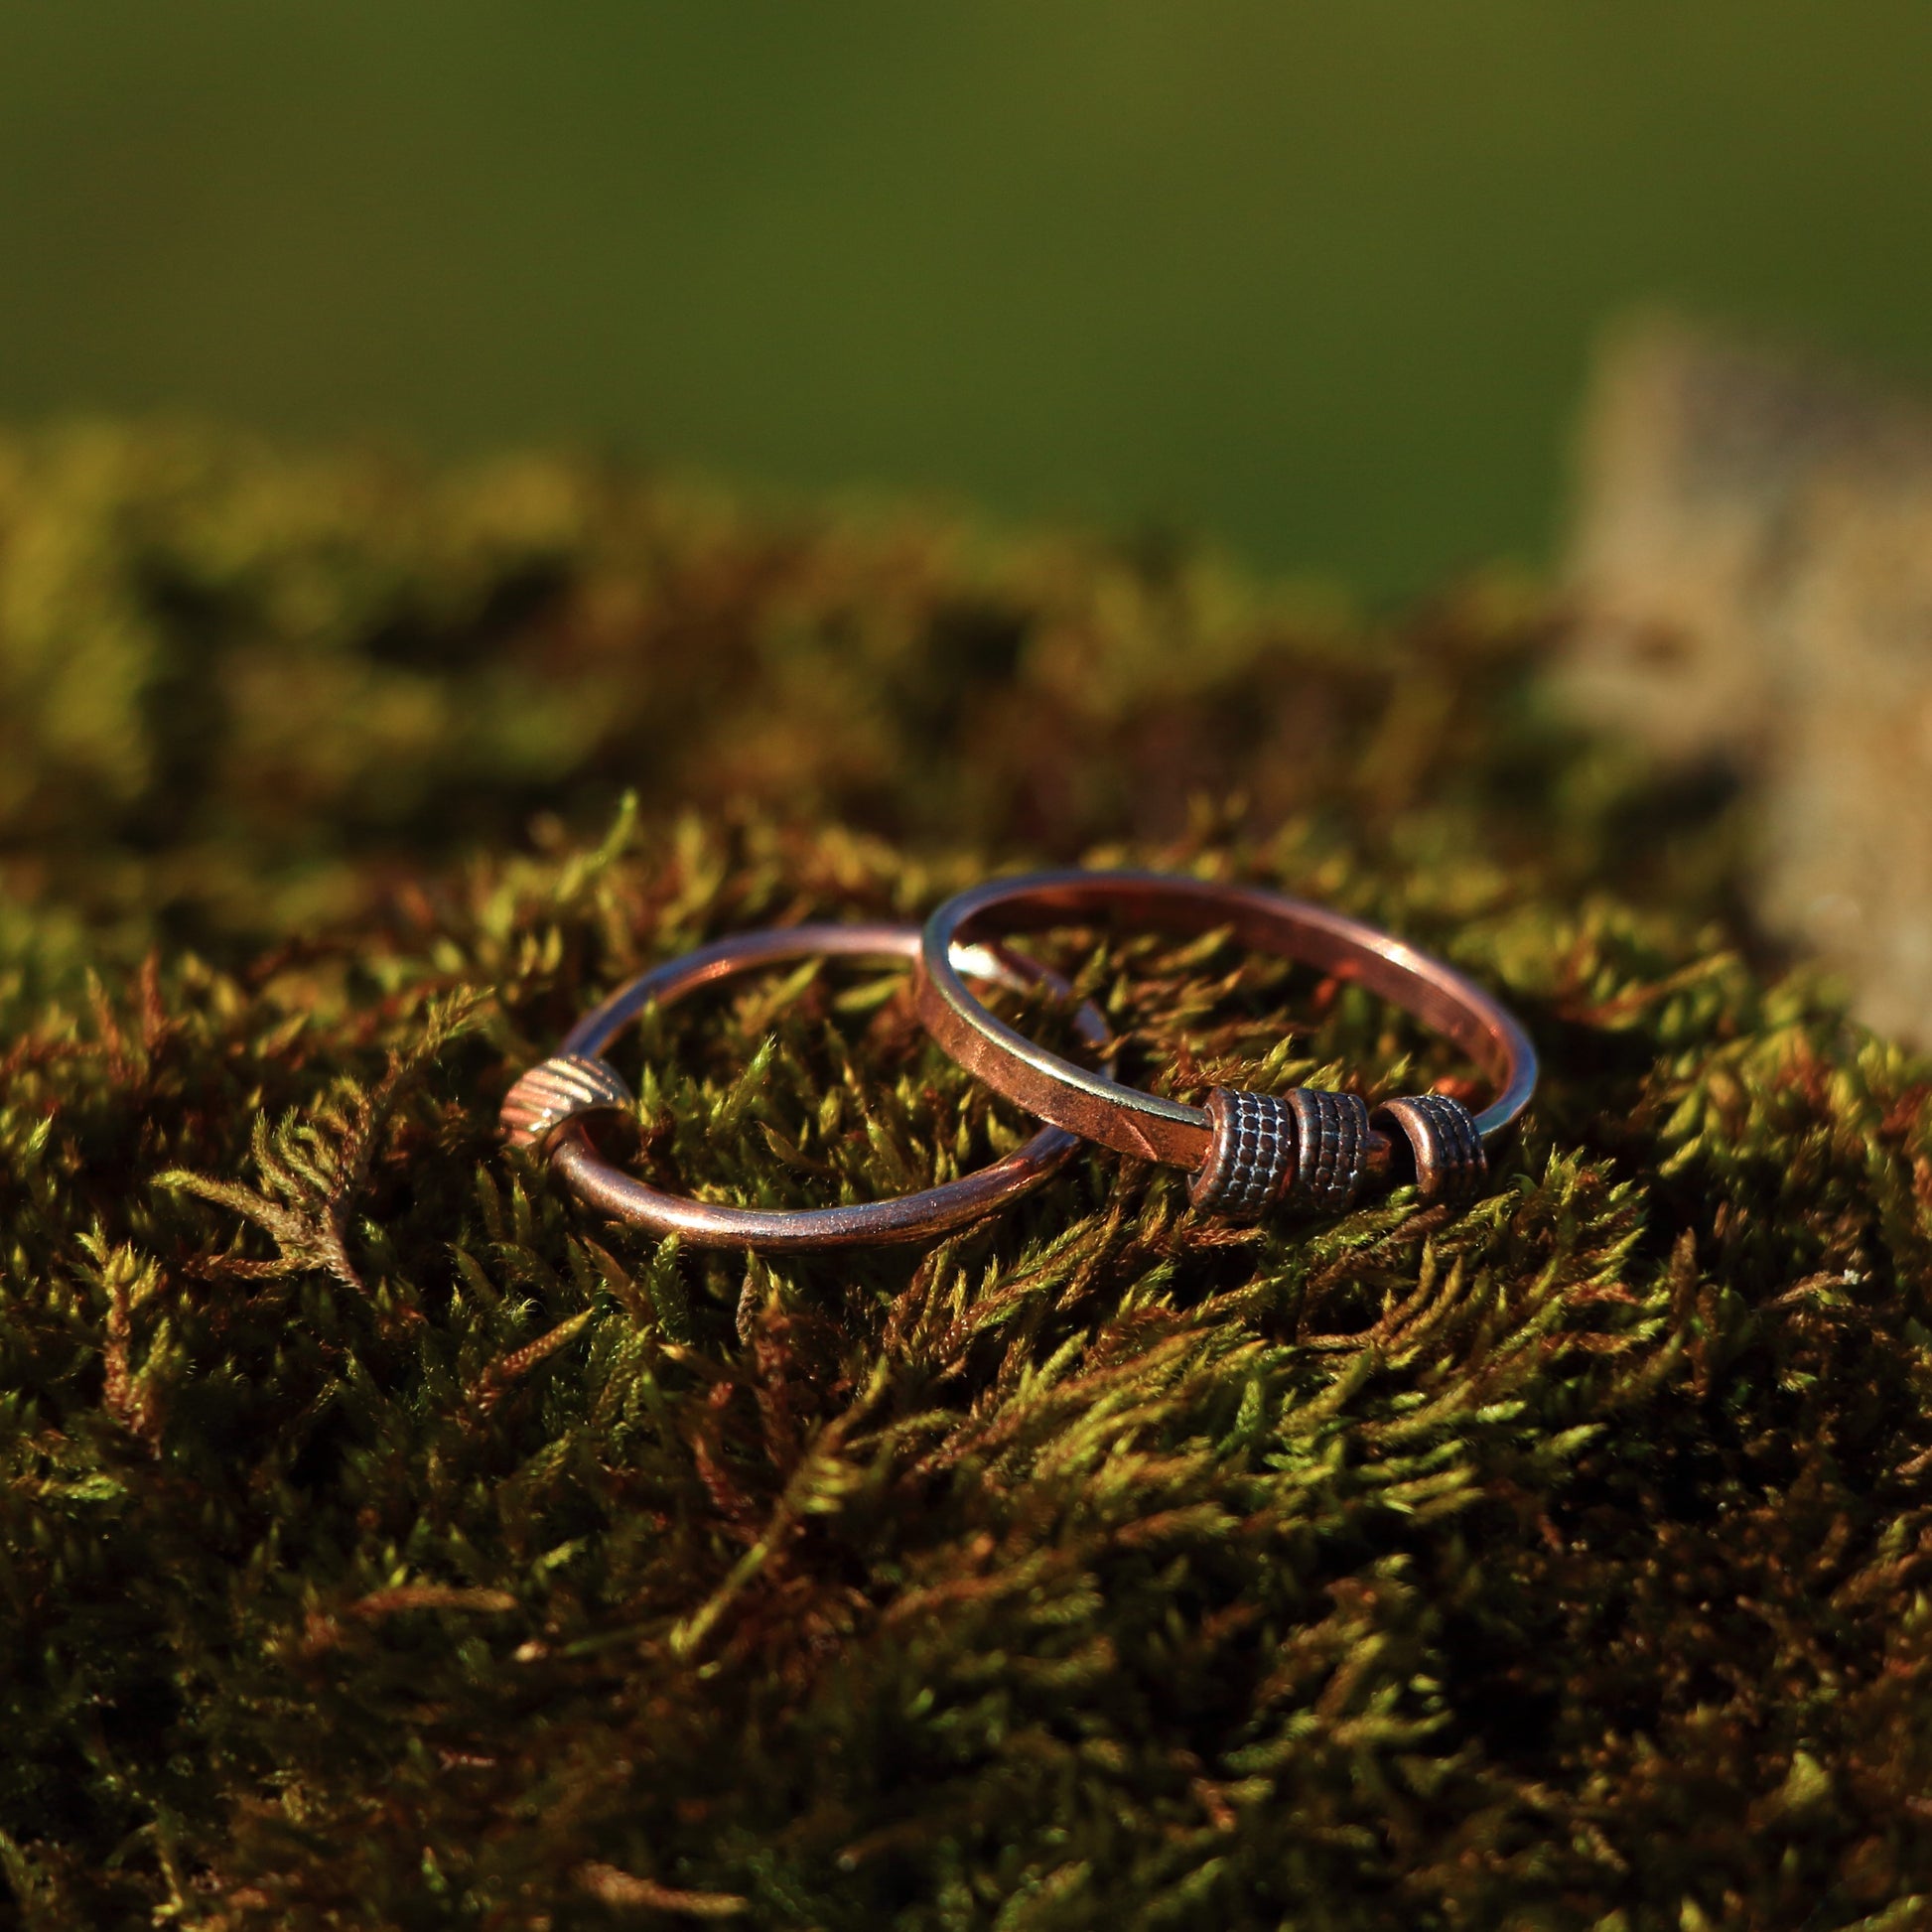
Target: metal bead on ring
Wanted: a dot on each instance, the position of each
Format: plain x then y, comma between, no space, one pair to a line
1251,1154
1304,1150
562,1088
1330,1149
1442,1139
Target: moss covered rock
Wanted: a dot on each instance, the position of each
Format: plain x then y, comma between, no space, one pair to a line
390,1543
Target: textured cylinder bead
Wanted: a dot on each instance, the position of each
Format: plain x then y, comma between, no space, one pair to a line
563,1088
1250,1156
1442,1141
1330,1149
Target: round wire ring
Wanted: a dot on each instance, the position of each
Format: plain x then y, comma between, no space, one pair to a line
550,1105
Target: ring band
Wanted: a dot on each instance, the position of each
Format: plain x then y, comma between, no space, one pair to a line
550,1105
1247,1151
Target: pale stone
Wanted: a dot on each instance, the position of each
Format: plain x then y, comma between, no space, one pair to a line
1750,581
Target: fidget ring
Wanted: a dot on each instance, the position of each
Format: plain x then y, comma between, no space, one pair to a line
550,1106
1248,1152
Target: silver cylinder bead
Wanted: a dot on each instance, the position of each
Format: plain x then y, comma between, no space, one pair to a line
1330,1149
1305,1150
1250,1156
1444,1144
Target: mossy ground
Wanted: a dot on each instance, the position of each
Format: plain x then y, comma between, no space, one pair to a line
390,1543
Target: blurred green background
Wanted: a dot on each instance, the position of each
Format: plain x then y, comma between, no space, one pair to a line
1320,281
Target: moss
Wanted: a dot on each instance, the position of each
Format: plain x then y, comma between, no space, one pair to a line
389,1543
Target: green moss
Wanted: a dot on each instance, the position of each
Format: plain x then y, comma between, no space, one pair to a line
390,1543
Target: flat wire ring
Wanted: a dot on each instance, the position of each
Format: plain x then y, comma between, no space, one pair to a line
910,1217
1144,1124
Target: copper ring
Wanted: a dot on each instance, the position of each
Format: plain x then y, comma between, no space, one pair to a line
1244,1155
550,1105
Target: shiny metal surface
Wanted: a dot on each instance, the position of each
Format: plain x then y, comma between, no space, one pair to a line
912,1217
1331,1143
563,1088
1445,1148
1249,1155
1144,1124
